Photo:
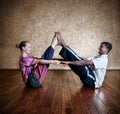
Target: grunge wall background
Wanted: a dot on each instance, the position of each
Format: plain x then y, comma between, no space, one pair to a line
84,24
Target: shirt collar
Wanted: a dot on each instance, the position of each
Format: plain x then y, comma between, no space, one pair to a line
103,55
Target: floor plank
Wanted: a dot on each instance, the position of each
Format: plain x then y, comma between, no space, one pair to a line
61,93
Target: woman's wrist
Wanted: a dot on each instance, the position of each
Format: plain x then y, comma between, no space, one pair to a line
52,62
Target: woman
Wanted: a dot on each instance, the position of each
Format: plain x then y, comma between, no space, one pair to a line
34,69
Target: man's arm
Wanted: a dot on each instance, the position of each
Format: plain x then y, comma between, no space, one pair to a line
79,63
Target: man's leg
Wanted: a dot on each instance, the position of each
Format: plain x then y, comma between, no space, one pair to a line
84,73
70,55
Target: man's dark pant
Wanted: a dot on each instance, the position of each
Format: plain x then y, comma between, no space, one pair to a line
85,73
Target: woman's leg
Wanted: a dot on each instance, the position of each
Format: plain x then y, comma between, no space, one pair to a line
48,54
41,70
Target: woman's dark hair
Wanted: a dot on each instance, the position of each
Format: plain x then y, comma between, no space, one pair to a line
108,45
21,44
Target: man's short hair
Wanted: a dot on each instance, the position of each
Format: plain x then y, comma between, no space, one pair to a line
108,45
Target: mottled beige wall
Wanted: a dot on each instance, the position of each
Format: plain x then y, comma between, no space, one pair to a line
83,24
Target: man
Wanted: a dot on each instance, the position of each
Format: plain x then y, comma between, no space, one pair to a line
91,70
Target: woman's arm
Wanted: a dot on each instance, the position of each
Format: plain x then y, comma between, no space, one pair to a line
42,61
79,63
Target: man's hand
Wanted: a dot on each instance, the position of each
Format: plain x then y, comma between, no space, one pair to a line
65,62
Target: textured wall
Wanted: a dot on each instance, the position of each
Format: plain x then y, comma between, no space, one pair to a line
83,24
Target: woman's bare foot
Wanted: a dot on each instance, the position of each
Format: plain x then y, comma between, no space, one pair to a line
54,41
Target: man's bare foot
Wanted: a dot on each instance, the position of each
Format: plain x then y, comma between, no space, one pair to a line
60,40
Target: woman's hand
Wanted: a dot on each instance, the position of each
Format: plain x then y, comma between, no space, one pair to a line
56,62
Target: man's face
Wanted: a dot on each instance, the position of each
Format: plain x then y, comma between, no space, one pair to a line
102,49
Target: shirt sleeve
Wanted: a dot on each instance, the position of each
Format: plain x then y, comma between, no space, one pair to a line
90,58
100,63
28,61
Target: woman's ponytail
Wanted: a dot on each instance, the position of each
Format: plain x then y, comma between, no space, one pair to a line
22,44
17,45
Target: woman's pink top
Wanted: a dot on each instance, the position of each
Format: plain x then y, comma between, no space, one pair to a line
26,66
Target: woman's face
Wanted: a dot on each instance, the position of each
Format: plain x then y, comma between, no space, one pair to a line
27,49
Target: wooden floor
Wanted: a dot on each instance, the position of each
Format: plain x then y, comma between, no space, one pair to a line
61,93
